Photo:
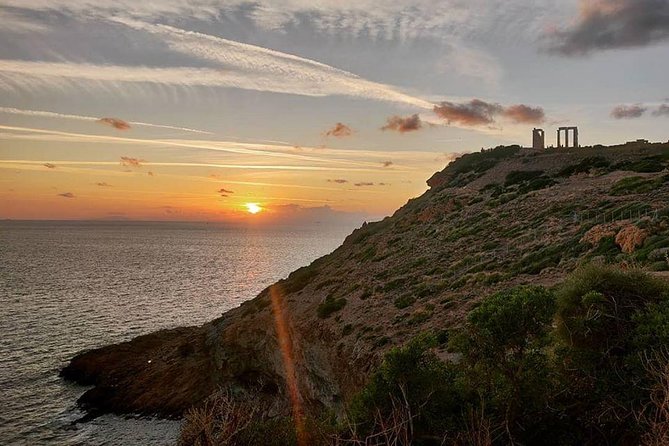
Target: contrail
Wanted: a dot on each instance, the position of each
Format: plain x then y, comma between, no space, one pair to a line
209,165
48,114
274,67
235,147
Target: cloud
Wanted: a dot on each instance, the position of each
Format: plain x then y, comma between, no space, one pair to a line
224,192
103,184
66,195
338,181
131,162
49,165
151,174
49,114
611,24
118,124
387,163
478,112
239,65
662,110
524,114
391,20
403,124
628,111
364,183
20,24
340,130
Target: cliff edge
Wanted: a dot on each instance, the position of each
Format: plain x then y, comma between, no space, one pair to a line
491,219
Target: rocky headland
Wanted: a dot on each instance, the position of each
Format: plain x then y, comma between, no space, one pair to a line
490,220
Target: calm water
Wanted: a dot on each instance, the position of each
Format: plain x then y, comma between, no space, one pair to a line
67,287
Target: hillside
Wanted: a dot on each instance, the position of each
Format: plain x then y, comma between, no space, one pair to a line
491,220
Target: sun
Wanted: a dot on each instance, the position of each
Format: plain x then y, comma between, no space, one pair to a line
253,208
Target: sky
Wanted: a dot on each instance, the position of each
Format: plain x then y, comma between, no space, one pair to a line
318,111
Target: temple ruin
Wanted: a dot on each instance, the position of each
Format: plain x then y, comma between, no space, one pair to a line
538,139
567,130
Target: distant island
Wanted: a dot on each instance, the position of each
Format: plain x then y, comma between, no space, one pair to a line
523,299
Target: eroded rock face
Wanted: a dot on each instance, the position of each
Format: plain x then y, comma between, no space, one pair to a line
162,373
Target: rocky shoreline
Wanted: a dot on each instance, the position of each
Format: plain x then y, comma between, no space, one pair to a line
490,220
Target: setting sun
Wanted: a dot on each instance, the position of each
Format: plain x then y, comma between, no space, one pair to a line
253,208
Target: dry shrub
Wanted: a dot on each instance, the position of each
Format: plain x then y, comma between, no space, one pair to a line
218,421
630,237
480,430
654,417
394,428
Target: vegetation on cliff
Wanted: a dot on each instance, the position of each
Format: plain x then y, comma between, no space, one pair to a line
478,271
580,363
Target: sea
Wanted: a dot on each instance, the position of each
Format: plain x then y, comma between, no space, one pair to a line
66,287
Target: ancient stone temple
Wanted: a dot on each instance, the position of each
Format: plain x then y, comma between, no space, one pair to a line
538,139
567,131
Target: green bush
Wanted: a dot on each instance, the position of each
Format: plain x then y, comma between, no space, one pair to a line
404,301
585,166
481,161
623,293
607,320
503,358
520,176
542,367
536,184
636,185
330,305
299,278
645,165
415,376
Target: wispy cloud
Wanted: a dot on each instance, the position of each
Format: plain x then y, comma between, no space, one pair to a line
224,192
49,165
662,110
628,111
205,165
118,124
128,161
611,24
103,184
66,195
374,19
109,121
403,124
241,66
339,130
223,146
308,159
364,183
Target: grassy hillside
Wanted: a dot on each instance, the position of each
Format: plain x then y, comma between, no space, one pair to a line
491,222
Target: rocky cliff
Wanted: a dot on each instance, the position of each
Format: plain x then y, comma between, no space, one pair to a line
490,219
